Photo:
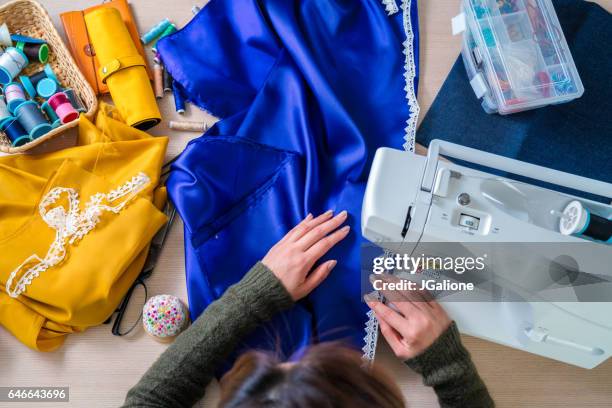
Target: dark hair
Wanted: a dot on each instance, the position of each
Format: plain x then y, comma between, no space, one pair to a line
327,375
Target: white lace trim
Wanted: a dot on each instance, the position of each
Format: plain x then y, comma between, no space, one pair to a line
371,328
409,76
70,225
390,7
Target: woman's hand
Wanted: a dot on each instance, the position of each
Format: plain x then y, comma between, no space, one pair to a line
413,324
293,257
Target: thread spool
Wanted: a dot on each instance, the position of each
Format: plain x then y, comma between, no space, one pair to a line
171,29
75,100
15,95
155,31
32,119
43,83
4,110
200,127
158,80
51,115
14,131
35,52
30,82
179,98
167,80
11,64
60,103
577,220
5,36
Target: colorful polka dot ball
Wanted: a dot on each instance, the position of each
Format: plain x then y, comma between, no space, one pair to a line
164,317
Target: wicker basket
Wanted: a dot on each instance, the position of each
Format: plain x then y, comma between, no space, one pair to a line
27,17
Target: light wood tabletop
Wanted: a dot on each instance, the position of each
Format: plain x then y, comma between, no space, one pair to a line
100,368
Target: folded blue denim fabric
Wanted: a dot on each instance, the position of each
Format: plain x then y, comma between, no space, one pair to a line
574,137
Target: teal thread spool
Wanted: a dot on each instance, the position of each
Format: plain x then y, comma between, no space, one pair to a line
32,119
43,83
168,31
14,131
51,115
155,31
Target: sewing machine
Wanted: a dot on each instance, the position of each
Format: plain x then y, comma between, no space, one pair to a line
414,203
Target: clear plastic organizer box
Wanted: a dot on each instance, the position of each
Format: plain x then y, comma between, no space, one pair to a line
516,55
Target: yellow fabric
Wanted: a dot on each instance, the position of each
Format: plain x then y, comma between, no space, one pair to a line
129,84
85,288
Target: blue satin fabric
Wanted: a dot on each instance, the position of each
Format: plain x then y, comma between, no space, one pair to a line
306,90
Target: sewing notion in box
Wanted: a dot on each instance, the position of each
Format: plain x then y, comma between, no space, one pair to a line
515,54
42,91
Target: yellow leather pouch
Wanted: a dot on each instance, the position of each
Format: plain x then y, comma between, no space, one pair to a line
122,68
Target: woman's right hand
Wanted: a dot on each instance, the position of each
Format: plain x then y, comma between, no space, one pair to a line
293,257
413,324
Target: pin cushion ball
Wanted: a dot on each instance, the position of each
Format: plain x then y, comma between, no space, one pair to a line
164,317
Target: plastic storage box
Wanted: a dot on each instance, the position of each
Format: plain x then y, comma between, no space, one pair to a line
516,55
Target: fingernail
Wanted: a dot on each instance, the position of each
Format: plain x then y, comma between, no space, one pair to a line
369,298
332,264
346,228
329,212
309,217
343,214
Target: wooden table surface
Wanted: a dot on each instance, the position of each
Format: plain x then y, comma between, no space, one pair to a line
99,368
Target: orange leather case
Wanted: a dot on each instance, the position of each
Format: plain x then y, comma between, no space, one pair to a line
80,44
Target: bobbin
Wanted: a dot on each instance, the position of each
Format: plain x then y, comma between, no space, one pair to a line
32,119
43,83
158,80
179,98
171,29
14,95
11,64
14,131
578,220
51,115
60,103
34,51
167,80
155,31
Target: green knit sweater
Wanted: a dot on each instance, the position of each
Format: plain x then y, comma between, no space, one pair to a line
180,375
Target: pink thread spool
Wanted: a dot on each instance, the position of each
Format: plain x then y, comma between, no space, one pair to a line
63,108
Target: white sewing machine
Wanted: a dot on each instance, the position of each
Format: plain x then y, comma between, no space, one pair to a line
412,201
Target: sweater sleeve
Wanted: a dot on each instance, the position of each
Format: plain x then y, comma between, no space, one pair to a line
180,375
447,367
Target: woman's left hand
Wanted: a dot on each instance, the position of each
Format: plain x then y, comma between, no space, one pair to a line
293,257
